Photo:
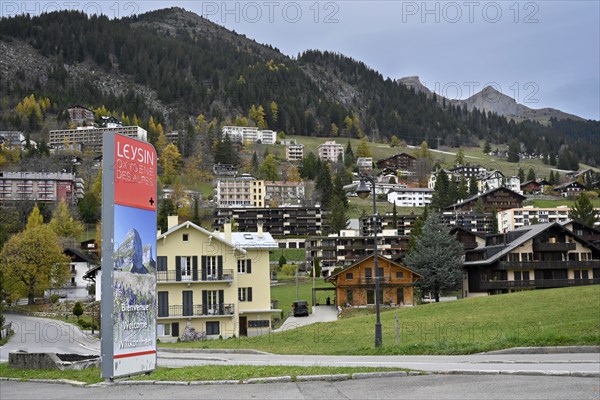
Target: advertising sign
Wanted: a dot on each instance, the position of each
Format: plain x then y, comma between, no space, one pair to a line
128,256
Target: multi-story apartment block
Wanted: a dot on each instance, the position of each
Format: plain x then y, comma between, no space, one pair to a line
44,187
364,163
282,221
280,193
330,151
398,162
244,191
515,218
249,134
531,257
349,246
294,152
11,138
81,115
91,138
216,282
469,221
410,197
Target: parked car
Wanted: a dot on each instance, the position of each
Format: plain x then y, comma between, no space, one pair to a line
300,308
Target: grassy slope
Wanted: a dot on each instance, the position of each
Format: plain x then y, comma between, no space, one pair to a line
285,292
567,316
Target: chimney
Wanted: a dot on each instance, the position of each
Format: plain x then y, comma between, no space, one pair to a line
172,220
259,226
227,230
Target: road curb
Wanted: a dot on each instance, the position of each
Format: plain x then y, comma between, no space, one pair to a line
545,350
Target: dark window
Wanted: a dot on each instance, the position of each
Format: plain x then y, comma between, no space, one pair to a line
161,263
517,275
525,275
163,304
212,328
349,297
399,274
263,323
349,276
368,272
185,237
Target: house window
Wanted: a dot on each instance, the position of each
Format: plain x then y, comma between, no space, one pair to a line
245,294
349,276
186,268
525,275
244,266
185,237
211,267
399,274
349,297
517,275
212,328
368,273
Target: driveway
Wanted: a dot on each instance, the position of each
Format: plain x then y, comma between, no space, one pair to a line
319,314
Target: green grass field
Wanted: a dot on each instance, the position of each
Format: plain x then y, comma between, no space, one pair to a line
552,317
189,374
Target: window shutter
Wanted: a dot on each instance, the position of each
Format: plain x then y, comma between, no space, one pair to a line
220,268
178,268
195,268
203,268
249,291
248,266
204,302
220,299
161,263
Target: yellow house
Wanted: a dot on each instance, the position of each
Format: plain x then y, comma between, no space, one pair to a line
216,282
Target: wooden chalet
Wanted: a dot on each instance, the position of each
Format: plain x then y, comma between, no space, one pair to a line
355,285
499,199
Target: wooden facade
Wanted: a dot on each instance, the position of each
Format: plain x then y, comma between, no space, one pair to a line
402,161
355,285
498,199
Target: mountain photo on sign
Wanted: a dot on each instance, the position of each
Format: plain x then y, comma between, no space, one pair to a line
133,237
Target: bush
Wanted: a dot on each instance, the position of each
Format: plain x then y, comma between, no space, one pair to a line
190,335
54,298
78,309
84,324
289,269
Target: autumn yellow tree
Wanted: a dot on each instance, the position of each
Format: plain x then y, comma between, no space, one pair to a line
363,149
33,261
35,218
65,225
170,161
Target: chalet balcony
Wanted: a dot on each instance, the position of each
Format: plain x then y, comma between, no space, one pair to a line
533,265
196,310
548,247
537,283
469,245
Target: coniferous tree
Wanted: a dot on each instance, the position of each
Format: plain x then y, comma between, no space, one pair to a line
463,191
473,188
583,211
531,175
521,175
440,198
437,256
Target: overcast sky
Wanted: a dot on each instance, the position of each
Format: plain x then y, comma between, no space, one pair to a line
542,53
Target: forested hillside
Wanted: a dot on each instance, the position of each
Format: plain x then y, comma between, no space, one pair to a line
174,65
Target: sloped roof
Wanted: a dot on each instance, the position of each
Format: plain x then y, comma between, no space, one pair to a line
567,184
366,258
188,224
520,236
475,197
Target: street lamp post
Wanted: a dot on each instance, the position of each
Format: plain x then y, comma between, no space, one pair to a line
363,192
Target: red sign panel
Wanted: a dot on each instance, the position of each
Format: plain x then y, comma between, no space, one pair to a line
135,173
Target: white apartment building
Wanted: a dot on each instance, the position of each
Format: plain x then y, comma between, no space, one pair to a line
330,151
244,191
45,187
284,193
249,134
294,152
364,163
494,179
90,137
410,197
509,220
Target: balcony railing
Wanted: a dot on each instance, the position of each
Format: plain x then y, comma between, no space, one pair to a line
537,283
196,310
530,265
545,247
172,276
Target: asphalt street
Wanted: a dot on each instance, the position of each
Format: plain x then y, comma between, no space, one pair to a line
439,387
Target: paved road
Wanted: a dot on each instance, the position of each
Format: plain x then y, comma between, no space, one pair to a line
413,387
319,314
47,335
527,363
